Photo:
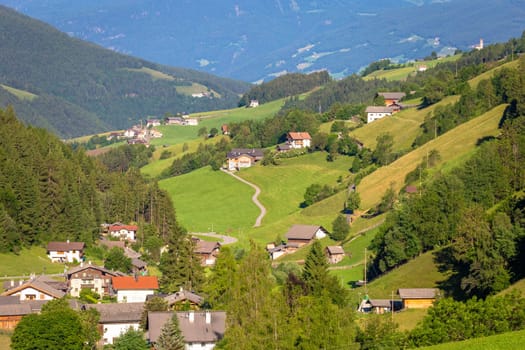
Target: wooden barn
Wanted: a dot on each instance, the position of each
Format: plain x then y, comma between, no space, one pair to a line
417,298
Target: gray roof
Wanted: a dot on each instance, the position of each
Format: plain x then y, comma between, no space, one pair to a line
197,331
9,300
417,293
252,152
380,302
183,295
335,249
305,232
206,247
38,285
65,246
378,109
139,264
392,95
118,313
88,266
111,244
15,310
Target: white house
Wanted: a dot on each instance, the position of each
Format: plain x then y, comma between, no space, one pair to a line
299,139
132,289
65,251
254,103
374,113
116,319
201,330
87,276
34,289
124,232
152,122
192,121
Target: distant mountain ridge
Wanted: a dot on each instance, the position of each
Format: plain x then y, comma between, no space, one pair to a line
73,88
255,40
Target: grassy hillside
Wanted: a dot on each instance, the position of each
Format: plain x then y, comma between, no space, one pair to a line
505,341
28,261
490,73
78,88
403,126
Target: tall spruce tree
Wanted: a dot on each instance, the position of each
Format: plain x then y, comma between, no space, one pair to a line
171,337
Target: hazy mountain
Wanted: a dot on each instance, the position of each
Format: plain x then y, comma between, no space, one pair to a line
253,40
73,87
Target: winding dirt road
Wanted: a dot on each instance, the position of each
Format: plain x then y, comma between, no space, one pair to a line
225,239
254,197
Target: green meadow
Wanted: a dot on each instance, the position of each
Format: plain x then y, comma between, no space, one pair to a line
28,261
505,341
20,94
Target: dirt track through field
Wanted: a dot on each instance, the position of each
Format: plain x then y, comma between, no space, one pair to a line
254,197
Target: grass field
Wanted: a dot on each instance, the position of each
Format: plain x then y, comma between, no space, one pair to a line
5,340
404,126
410,68
518,286
505,341
20,94
489,74
29,261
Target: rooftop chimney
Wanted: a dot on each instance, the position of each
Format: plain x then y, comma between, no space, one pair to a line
208,317
191,316
12,283
67,241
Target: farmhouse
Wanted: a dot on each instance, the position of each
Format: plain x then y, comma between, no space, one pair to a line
374,113
65,251
299,139
174,121
116,319
201,330
391,97
304,234
35,289
207,251
132,289
254,103
87,276
191,121
12,312
239,158
182,296
124,232
334,254
152,122
417,298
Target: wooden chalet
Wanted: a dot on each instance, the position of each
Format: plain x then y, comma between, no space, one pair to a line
92,277
304,234
417,298
239,158
298,139
207,251
65,251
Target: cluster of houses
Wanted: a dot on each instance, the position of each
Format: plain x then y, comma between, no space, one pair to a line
392,105
137,134
239,158
201,329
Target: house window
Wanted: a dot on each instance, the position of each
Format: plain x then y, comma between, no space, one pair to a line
30,297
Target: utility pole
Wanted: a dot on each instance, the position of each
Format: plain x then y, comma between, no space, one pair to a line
366,291
392,306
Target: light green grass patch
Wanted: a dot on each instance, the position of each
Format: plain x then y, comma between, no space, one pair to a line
154,74
505,341
20,94
518,286
207,200
33,260
404,126
196,88
474,82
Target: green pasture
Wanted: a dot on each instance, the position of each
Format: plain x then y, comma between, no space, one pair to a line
404,126
28,261
207,200
490,73
20,94
505,341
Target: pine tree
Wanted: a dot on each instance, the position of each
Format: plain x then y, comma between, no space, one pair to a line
171,337
180,267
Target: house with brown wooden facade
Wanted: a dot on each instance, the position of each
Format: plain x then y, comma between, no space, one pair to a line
92,277
305,234
207,251
417,298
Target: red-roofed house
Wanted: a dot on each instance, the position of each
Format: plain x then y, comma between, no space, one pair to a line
299,139
126,232
65,251
134,289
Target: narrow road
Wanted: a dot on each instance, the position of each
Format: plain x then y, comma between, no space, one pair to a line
225,239
254,197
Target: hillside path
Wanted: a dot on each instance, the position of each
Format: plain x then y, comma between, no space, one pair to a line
225,239
254,197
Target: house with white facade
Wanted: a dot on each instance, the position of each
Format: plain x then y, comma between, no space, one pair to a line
65,251
299,139
116,319
304,234
239,158
134,289
124,232
374,113
34,289
201,329
92,277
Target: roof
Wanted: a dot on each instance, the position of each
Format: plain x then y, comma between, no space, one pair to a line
38,285
183,295
139,264
118,313
411,189
206,247
197,331
380,302
130,282
123,227
335,249
252,152
299,136
65,246
303,231
417,293
284,147
95,267
9,300
378,109
15,309
392,95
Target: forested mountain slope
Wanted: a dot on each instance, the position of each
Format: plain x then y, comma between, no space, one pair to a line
79,88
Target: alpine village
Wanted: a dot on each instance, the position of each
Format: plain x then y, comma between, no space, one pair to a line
383,210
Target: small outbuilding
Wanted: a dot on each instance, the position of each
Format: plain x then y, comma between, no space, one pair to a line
417,298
